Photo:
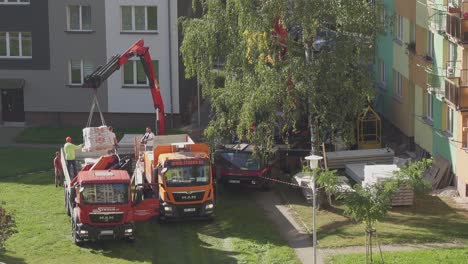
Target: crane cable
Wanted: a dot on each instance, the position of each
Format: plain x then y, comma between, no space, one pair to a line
91,112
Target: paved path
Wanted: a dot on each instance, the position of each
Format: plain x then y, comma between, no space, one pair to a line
301,241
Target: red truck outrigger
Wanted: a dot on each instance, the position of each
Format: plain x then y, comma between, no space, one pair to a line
95,79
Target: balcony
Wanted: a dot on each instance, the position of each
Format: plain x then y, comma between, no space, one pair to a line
437,15
457,20
456,90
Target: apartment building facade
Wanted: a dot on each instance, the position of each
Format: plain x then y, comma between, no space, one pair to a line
48,47
429,102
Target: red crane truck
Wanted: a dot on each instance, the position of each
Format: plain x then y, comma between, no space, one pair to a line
236,164
100,199
104,201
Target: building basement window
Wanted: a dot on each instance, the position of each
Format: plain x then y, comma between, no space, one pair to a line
15,45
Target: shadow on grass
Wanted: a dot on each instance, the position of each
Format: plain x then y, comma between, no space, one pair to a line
9,259
45,177
238,224
168,243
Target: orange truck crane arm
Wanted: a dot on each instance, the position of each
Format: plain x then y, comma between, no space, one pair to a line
95,79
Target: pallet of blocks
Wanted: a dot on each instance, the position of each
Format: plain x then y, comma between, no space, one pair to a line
338,159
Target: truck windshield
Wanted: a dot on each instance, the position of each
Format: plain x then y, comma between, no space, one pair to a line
188,175
241,161
113,193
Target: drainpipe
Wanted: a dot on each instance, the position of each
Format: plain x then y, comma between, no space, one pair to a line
170,60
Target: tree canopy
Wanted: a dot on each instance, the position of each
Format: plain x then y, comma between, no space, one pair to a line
270,81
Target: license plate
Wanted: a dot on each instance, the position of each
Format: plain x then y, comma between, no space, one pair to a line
189,209
107,232
234,181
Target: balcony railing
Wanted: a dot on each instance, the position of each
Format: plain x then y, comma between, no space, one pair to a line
457,20
456,93
437,17
452,69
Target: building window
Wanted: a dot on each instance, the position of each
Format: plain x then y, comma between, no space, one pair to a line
429,106
79,18
398,85
15,44
430,44
382,74
139,18
451,60
14,2
399,28
134,74
449,120
78,70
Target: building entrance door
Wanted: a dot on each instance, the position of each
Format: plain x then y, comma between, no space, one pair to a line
12,105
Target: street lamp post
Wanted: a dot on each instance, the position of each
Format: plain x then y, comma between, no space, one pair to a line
314,159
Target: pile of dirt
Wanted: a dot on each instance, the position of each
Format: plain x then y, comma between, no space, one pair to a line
446,192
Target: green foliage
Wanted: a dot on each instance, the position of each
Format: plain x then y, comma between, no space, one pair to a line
370,204
272,91
413,175
7,226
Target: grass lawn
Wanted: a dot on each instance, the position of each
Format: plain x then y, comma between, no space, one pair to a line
57,135
435,256
429,220
240,233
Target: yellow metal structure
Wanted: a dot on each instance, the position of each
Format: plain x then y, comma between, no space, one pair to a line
369,130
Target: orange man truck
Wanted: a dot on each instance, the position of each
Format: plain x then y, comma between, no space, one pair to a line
183,173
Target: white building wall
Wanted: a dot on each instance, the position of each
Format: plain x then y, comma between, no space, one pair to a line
138,100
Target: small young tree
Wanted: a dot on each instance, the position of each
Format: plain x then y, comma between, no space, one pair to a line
371,203
368,205
7,226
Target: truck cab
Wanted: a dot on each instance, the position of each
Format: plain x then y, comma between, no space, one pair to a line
236,164
183,174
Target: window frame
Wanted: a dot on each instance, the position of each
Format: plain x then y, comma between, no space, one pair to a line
80,16
133,19
20,47
82,73
399,28
449,120
18,2
382,74
429,106
134,62
430,44
399,85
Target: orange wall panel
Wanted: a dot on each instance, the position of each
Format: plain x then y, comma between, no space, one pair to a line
406,8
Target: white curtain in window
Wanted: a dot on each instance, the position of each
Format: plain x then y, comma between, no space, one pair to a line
74,17
86,17
140,18
26,44
126,18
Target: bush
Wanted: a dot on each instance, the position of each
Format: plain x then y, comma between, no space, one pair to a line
7,226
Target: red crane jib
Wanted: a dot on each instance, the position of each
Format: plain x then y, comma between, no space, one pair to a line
102,73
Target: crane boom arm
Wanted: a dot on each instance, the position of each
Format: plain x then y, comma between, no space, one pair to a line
102,73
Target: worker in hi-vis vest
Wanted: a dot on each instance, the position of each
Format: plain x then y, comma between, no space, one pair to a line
69,149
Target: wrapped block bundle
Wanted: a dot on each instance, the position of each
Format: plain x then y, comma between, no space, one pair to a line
97,139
